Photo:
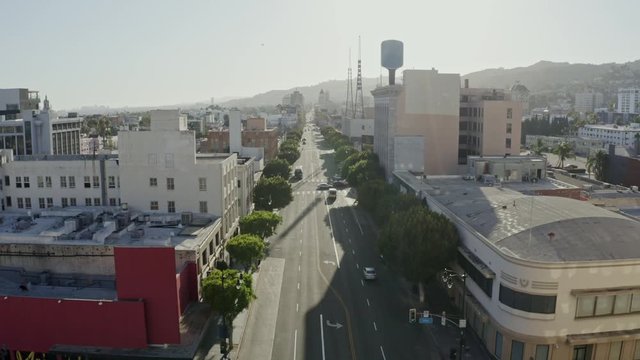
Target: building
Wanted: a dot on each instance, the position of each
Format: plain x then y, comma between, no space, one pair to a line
629,101
27,130
581,146
611,134
324,101
490,123
587,102
548,277
416,123
295,99
256,135
359,130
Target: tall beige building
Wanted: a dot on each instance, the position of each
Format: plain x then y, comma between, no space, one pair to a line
416,123
490,123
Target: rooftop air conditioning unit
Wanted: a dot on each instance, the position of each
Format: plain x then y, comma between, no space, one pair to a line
186,218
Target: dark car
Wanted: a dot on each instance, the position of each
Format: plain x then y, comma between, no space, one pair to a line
340,184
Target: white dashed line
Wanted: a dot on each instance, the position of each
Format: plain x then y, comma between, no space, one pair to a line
381,350
295,344
297,307
357,266
298,286
353,252
362,282
300,253
374,326
368,303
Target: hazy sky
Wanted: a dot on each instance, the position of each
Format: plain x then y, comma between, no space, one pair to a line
135,52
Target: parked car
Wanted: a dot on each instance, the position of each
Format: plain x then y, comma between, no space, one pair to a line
333,194
369,273
323,186
340,184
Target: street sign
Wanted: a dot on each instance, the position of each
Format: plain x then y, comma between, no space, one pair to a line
425,320
412,315
463,323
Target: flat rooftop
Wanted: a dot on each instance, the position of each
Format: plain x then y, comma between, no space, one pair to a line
536,228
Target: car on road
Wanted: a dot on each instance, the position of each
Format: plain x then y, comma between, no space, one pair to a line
340,184
333,194
324,186
369,273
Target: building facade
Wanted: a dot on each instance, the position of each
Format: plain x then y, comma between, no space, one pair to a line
255,135
611,134
629,101
587,102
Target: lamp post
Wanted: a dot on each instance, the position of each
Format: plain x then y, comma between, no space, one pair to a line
447,277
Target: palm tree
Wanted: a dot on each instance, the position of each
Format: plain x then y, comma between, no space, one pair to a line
538,148
564,151
598,163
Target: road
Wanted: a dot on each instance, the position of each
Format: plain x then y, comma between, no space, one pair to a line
326,310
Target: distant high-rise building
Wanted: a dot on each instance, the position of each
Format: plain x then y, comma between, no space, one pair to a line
588,101
323,99
629,101
27,130
295,99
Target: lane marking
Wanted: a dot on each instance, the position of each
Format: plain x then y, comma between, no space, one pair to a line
300,241
335,249
374,326
362,282
353,252
382,351
368,303
357,266
300,253
349,241
298,286
298,268
295,344
322,337
297,307
346,229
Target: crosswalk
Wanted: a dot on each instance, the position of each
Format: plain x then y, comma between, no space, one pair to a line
317,192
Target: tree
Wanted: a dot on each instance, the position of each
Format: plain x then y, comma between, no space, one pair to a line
419,243
538,148
260,223
343,152
363,171
228,297
564,151
146,121
290,156
598,163
272,193
246,249
370,192
277,167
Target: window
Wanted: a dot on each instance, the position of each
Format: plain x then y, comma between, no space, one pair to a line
8,200
239,184
18,182
152,159
615,348
498,350
87,182
65,202
509,128
40,180
118,182
49,202
47,181
585,305
517,350
153,205
604,305
72,202
539,304
96,201
636,352
112,202
635,302
96,181
20,203
171,206
170,184
582,352
112,182
153,182
203,207
168,161
509,113
507,143
87,201
7,181
622,303
542,352
202,184
72,182
27,203
41,203
204,257
63,181
484,283
25,181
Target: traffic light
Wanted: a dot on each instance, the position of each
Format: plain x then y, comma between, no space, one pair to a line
412,315
443,319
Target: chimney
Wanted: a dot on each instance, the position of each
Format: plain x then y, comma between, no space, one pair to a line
466,83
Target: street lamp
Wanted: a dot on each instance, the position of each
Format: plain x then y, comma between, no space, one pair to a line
448,276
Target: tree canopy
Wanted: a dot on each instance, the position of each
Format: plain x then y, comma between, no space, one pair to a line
277,167
260,223
228,297
598,163
564,150
272,193
246,249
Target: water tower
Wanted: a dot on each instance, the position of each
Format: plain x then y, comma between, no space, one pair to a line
391,57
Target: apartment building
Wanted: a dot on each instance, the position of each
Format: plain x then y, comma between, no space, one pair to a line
27,130
588,101
416,123
629,101
548,277
611,134
255,135
490,123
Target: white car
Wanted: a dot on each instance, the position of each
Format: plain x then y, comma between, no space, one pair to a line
369,273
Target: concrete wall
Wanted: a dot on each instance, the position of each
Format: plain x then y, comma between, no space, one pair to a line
495,128
409,153
59,258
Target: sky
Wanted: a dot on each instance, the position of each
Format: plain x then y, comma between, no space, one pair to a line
162,52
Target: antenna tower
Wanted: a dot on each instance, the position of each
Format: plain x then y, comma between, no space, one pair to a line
349,106
359,107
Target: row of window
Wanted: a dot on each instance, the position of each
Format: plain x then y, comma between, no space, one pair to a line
202,183
517,349
171,206
603,305
65,181
45,203
539,304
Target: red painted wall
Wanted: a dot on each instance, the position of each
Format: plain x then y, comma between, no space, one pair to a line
35,324
187,284
150,274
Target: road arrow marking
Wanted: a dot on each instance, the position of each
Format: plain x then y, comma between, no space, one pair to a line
329,262
337,325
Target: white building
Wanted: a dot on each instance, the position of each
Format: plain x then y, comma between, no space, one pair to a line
355,129
27,130
588,101
611,134
629,100
548,277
